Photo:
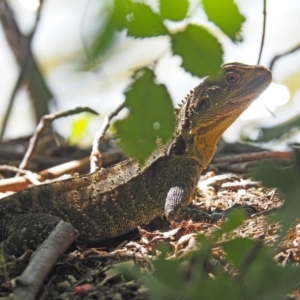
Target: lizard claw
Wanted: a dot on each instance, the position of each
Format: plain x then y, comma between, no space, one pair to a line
247,209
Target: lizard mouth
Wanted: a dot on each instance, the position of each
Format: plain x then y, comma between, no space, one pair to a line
218,120
254,88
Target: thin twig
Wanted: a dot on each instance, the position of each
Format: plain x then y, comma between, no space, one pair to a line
22,182
9,151
269,111
31,177
12,169
297,47
234,186
46,120
246,157
95,158
264,31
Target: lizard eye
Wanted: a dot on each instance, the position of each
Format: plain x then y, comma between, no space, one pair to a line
232,77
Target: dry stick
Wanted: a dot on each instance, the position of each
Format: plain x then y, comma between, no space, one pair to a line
10,152
19,183
25,66
12,32
44,259
36,83
95,158
12,169
234,186
229,159
244,168
264,31
21,77
236,169
46,120
31,177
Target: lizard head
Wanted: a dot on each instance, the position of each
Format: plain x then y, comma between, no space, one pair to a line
215,104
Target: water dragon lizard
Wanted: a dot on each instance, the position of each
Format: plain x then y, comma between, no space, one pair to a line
116,200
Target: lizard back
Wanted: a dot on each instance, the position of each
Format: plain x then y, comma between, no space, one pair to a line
109,202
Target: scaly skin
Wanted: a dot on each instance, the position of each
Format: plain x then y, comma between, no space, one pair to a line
116,200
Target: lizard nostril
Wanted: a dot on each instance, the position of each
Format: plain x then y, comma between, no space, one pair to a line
205,103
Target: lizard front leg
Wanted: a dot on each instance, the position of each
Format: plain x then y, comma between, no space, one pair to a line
176,208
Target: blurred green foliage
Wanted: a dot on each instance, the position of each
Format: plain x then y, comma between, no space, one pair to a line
251,273
173,10
256,275
280,131
287,180
225,14
248,270
198,47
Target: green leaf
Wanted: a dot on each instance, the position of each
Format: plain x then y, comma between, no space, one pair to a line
221,287
225,14
143,22
269,281
138,18
259,275
266,280
121,12
157,289
168,272
201,52
280,131
174,10
237,249
166,282
116,20
288,182
151,116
